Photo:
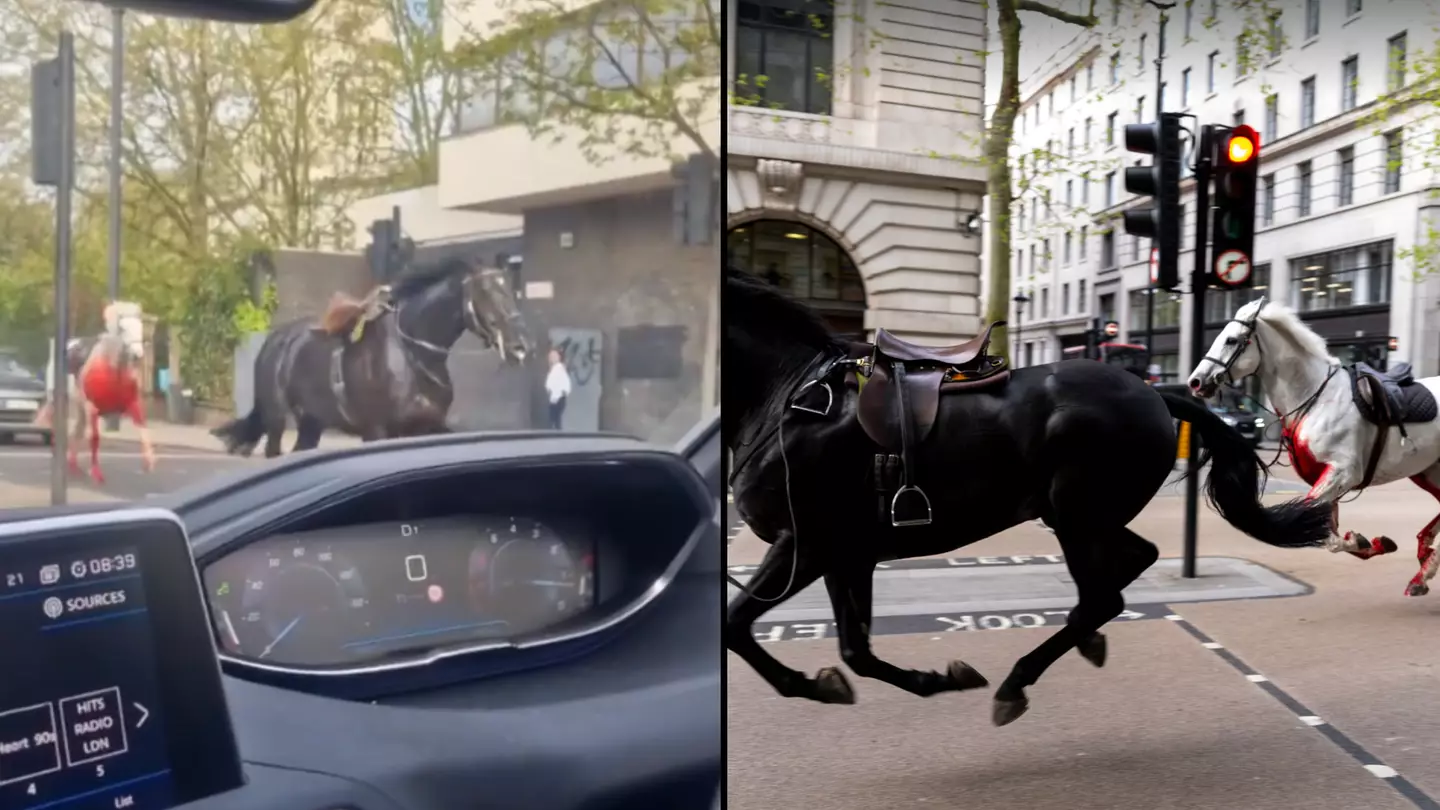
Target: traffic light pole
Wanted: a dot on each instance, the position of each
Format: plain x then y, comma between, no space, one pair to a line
1151,288
1199,278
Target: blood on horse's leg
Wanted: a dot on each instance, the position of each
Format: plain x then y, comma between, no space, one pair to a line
93,414
1332,484
1425,540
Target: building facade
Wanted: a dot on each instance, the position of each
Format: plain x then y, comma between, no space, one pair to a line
852,166
1346,191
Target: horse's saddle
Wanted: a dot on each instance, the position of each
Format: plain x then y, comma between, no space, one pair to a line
1391,398
900,401
347,316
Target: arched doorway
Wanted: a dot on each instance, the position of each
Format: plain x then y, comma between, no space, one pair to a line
808,265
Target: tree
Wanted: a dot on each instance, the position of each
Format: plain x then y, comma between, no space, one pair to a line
634,77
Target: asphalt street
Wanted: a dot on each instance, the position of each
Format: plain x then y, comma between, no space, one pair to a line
1316,694
26,462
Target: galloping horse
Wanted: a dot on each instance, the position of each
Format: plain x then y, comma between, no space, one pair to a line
1345,432
849,455
104,381
375,367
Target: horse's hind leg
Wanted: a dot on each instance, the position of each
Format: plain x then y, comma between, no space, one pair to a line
1426,539
307,433
851,594
770,583
1102,565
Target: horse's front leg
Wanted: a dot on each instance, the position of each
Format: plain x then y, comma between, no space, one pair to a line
851,596
147,448
1333,484
92,416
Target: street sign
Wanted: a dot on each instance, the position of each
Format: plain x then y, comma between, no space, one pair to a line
1232,267
1112,329
1154,265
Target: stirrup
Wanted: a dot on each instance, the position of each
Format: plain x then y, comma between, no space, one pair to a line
829,398
895,519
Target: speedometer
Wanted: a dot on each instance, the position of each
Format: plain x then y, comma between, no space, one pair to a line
523,574
297,603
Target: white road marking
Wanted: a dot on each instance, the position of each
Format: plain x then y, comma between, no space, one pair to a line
1311,720
1213,645
1256,678
1382,771
1175,618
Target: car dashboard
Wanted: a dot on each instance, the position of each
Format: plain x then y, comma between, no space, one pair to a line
469,621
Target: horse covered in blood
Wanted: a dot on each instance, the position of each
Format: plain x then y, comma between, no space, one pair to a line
105,381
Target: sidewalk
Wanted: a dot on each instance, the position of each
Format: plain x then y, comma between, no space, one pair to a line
197,437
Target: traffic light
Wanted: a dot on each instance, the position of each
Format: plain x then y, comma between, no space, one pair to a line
1236,168
1160,221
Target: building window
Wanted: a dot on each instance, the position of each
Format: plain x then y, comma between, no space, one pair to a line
1107,250
1082,303
1090,77
801,261
1189,19
1084,240
1305,176
1069,241
1349,83
1064,299
1307,103
1044,302
1210,65
1107,307
1242,57
790,43
1050,104
1167,309
1114,13
1089,125
1275,37
1034,259
1140,110
1272,116
1185,86
1352,7
1394,159
1115,68
1110,128
1238,118
1267,200
1354,277
1221,305
1164,88
1347,175
1019,264
1395,76
1134,248
1140,55
1074,92
1109,189
1312,18
1069,193
1084,197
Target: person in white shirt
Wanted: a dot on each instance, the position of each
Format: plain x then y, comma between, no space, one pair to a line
557,385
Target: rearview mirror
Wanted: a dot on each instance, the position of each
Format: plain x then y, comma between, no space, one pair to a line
236,11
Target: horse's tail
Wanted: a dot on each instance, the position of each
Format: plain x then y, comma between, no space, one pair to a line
241,435
1237,480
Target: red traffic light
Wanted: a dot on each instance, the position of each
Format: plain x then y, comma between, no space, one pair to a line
1242,145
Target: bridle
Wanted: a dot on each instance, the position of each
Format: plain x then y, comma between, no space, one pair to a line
473,322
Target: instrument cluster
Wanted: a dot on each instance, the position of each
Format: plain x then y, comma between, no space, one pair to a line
355,598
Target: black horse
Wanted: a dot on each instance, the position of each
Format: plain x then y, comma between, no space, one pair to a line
1084,446
376,367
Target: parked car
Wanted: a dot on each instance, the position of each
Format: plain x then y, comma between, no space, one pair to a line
1251,425
22,395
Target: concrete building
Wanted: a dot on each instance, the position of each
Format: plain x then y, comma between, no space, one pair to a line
1346,185
851,190
605,280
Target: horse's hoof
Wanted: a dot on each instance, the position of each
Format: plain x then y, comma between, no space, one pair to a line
963,676
1006,712
831,686
1385,544
1417,589
1094,649
97,476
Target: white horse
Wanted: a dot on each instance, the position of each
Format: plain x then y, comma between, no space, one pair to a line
1332,445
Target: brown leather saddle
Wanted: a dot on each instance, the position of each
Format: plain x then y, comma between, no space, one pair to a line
900,400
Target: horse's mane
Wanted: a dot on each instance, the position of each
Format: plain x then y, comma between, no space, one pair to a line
785,319
1283,319
422,277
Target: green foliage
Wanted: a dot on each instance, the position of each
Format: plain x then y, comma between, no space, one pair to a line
212,326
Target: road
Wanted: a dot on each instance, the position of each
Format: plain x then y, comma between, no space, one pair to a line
26,463
1315,696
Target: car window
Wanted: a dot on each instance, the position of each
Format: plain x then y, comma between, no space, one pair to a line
263,219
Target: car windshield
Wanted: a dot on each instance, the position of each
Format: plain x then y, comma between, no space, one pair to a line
469,171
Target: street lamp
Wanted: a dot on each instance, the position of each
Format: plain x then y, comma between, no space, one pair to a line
1020,299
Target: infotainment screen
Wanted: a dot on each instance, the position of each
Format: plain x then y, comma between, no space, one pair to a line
100,679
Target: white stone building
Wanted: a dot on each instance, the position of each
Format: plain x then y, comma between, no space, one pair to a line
852,191
1344,192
